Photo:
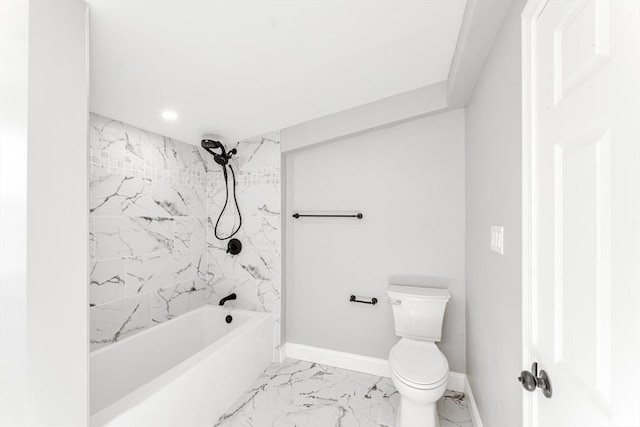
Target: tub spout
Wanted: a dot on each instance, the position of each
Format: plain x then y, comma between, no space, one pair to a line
228,298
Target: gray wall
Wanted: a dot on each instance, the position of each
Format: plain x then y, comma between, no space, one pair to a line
493,196
408,180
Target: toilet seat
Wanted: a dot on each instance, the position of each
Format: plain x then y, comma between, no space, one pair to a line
419,364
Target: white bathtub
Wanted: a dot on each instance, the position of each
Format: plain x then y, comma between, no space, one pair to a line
185,372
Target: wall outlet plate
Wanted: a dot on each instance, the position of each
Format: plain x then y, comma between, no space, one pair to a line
497,239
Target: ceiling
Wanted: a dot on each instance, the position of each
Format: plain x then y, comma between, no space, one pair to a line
243,68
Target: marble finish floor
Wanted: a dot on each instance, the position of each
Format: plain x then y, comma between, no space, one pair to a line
302,394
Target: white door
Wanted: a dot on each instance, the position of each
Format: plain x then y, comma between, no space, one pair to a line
582,112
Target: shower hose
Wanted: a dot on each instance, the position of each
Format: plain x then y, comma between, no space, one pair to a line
226,202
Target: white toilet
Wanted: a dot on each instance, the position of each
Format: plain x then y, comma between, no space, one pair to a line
419,370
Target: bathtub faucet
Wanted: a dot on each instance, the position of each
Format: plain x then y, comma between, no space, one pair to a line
228,298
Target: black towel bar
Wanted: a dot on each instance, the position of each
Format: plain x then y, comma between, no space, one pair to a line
358,215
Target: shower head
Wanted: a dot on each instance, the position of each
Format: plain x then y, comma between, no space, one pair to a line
210,144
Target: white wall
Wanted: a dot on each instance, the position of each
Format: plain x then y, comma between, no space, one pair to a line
57,220
493,196
408,181
386,112
14,50
481,23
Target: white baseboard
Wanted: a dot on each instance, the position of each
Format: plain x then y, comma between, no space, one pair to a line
456,381
473,408
355,362
338,359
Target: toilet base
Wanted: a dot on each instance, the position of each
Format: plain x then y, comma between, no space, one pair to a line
411,414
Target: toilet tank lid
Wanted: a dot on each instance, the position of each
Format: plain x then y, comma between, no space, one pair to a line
419,292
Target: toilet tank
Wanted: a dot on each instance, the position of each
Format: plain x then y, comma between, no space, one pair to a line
418,312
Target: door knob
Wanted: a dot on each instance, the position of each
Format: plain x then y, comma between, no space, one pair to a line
530,381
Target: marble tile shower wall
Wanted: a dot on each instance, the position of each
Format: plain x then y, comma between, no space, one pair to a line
254,275
153,204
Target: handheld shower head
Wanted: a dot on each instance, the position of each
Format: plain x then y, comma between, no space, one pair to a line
209,144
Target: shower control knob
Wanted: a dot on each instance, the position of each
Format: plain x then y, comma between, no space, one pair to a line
234,247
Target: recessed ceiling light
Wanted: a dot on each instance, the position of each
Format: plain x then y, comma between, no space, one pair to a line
169,115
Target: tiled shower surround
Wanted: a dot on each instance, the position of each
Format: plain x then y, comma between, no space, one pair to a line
153,204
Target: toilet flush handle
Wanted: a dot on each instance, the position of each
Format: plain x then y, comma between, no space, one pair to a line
394,302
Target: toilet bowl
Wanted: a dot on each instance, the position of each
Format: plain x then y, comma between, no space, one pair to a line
419,370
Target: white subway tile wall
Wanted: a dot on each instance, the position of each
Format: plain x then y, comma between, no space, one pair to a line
154,202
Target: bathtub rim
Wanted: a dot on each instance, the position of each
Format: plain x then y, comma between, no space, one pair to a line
182,316
148,389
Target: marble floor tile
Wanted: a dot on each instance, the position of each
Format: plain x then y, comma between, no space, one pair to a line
452,410
302,394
